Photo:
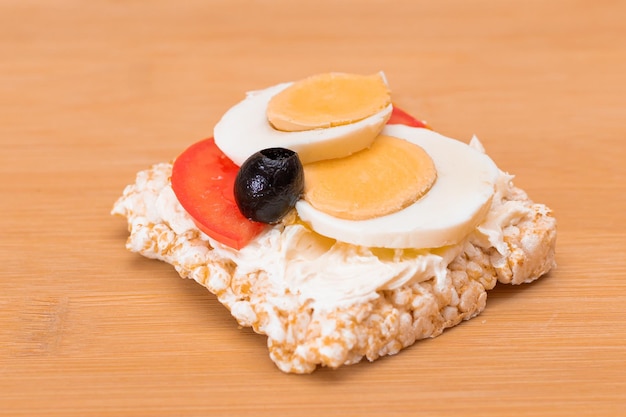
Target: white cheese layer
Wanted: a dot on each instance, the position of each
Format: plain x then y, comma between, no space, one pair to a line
321,270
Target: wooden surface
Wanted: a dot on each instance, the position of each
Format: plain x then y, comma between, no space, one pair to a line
94,91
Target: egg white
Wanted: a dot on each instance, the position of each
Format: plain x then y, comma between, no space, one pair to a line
454,206
244,130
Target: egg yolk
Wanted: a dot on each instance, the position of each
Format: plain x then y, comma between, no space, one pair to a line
387,177
328,100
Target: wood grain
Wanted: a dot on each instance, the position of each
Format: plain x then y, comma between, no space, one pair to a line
92,92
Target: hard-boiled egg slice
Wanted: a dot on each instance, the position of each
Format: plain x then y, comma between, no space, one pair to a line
245,129
454,205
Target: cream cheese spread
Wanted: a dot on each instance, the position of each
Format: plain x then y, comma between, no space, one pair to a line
322,271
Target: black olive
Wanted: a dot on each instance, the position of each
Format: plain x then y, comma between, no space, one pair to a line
268,184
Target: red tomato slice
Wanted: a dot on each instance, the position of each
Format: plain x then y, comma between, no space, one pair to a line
400,117
203,180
